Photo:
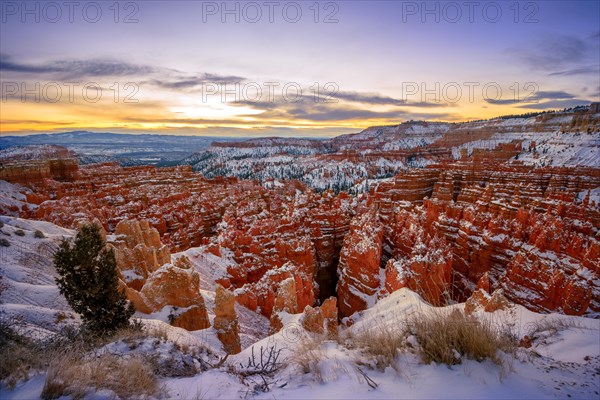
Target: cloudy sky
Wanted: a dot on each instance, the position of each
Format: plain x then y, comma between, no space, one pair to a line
289,68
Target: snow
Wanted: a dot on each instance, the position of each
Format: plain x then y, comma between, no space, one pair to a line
563,361
28,390
560,369
594,195
564,364
38,152
13,196
564,149
28,273
309,161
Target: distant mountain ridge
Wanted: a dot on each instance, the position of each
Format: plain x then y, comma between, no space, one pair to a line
373,153
562,138
32,152
98,138
127,149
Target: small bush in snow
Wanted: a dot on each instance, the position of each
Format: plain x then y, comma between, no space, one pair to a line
4,242
263,367
88,279
39,234
20,232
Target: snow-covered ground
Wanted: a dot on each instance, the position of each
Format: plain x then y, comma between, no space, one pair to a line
551,148
563,361
563,364
28,290
564,149
12,198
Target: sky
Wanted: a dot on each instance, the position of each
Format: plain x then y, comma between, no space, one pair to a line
286,68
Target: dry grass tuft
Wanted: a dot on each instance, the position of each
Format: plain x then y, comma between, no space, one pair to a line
381,343
308,354
72,376
77,362
19,355
17,361
439,335
447,336
551,326
160,332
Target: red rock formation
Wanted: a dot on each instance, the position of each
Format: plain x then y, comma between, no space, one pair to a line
151,281
226,321
178,288
138,251
329,310
486,216
194,318
513,223
546,284
247,297
29,164
484,283
421,262
360,264
329,222
322,319
489,303
312,320
272,241
38,170
285,301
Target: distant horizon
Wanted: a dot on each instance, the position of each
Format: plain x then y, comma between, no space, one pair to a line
323,69
22,134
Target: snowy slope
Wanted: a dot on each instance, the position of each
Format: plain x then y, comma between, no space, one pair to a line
564,364
564,360
29,292
12,198
564,149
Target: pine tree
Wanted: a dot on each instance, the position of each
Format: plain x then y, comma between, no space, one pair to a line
88,279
